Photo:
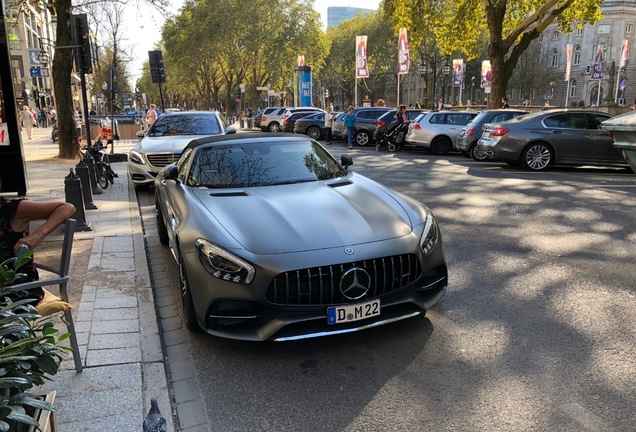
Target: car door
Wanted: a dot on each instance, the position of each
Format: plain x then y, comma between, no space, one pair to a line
365,118
570,137
605,146
173,198
456,122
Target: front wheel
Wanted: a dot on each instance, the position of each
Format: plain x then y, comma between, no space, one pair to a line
362,138
392,147
274,127
102,180
537,157
314,132
189,316
477,155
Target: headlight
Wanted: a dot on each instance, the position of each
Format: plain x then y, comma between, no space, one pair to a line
430,235
222,264
136,157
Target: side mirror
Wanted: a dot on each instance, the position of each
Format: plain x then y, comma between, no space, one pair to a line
346,161
171,173
141,133
230,130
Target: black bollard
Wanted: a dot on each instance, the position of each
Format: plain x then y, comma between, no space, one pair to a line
90,162
84,176
73,192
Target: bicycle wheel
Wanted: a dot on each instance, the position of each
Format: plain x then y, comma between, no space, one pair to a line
102,180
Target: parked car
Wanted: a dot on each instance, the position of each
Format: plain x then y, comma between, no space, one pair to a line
289,122
164,141
622,129
336,127
553,137
311,125
389,119
273,118
437,130
292,271
365,126
257,120
466,141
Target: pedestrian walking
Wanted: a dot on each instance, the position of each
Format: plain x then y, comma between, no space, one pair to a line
328,123
151,116
440,105
27,121
349,126
504,103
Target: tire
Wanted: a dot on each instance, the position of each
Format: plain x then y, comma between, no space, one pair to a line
189,316
477,155
537,157
392,147
274,127
314,132
377,147
441,146
362,138
161,225
102,180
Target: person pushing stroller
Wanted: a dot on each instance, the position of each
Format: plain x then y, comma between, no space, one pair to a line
394,138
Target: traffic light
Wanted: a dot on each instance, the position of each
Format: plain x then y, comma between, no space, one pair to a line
157,71
80,36
238,93
326,93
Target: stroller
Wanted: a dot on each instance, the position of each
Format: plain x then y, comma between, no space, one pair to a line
393,138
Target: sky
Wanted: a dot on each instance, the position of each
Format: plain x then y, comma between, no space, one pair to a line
142,38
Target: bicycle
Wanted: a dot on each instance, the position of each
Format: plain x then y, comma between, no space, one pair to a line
97,151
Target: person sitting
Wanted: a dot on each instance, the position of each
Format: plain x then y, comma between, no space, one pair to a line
15,216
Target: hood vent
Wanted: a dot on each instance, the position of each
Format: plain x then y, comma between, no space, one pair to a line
340,183
229,194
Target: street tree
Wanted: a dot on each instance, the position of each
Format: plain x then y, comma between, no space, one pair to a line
510,25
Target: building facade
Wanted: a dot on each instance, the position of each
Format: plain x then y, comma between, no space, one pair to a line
601,40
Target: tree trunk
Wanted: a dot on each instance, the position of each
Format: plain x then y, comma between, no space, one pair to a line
62,68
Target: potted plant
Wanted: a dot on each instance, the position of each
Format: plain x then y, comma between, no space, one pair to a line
29,353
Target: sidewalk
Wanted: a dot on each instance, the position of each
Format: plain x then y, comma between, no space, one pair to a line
113,303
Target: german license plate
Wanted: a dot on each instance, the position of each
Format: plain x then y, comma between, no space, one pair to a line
354,312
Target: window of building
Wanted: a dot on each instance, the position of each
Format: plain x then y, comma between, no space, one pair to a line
555,35
578,31
554,58
629,28
576,59
604,28
533,94
573,88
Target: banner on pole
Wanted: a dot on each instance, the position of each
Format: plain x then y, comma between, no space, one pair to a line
597,72
568,61
403,52
624,54
486,74
458,73
362,70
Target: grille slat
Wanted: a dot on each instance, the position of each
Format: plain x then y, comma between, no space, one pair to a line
162,159
321,285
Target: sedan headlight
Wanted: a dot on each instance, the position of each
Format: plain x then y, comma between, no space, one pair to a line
136,157
223,264
430,235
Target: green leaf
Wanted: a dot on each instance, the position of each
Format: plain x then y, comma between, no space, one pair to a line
64,337
4,427
9,382
23,418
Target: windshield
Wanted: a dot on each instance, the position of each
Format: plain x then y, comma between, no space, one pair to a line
185,124
262,164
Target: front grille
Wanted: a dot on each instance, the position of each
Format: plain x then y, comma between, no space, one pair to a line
321,285
162,159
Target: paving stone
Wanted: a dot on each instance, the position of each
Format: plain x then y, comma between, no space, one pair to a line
117,404
115,314
113,356
115,302
121,326
186,390
168,311
114,340
174,337
182,369
191,414
173,323
178,352
118,264
198,428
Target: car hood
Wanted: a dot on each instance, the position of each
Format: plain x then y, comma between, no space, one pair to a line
167,144
308,216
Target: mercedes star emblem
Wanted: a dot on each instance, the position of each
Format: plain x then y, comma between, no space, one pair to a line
355,283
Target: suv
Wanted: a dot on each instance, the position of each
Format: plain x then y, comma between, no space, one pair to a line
386,121
273,117
466,142
437,130
365,126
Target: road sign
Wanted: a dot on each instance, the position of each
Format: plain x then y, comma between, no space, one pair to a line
238,100
262,88
39,72
34,57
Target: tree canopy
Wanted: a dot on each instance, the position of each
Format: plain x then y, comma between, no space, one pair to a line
510,25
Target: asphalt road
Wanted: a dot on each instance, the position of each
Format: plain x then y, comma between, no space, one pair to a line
536,332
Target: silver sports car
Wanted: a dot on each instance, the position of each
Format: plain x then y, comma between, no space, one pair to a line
277,241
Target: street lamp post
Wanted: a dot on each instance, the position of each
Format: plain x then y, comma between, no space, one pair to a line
434,62
446,70
472,89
